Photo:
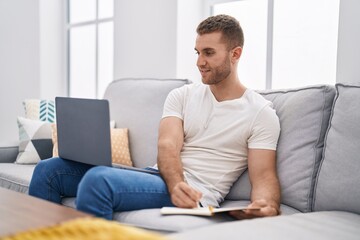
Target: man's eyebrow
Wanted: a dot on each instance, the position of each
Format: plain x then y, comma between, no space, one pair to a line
205,49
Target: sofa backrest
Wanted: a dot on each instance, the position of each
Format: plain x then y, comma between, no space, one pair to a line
337,185
304,115
137,104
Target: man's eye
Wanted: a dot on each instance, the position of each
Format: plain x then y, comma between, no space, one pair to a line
209,53
197,53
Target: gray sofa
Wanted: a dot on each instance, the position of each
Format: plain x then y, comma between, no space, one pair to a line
318,164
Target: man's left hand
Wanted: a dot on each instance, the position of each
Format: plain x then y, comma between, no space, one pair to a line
266,210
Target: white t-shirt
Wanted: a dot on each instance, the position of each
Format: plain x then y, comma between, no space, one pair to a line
217,136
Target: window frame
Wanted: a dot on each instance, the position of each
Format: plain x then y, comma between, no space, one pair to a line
69,26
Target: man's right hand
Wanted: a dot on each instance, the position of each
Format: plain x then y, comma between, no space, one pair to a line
184,196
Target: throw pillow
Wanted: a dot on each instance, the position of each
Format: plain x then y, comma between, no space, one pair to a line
35,141
38,109
119,145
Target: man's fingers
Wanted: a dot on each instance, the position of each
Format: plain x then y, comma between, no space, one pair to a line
265,209
183,201
185,196
190,192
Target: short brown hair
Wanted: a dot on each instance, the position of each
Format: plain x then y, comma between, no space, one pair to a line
227,25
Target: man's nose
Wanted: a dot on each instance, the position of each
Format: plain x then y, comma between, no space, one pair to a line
200,61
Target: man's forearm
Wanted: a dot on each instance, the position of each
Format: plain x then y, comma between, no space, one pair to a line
171,170
265,187
269,190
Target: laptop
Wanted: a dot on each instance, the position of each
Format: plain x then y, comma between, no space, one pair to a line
83,130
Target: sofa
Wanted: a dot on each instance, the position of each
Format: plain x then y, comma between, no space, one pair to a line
317,160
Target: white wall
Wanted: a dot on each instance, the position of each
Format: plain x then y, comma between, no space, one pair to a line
190,14
145,39
19,62
32,50
52,49
31,58
348,60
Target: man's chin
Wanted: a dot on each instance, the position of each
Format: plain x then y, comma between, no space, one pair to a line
208,82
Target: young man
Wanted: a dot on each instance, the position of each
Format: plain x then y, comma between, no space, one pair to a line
209,134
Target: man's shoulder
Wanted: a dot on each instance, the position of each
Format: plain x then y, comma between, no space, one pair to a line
256,99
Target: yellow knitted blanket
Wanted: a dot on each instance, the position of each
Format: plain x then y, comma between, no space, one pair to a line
86,229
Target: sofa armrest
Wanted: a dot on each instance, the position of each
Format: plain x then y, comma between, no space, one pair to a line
8,153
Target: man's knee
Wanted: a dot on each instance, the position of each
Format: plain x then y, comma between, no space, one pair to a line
95,178
94,193
43,169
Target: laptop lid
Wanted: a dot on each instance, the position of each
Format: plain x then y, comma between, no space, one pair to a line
83,127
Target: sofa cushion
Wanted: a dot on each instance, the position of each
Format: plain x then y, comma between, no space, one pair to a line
35,141
137,104
338,181
304,114
317,225
16,176
40,109
153,220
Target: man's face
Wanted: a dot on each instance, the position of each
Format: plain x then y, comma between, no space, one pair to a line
213,58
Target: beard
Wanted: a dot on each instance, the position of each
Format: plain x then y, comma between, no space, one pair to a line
218,74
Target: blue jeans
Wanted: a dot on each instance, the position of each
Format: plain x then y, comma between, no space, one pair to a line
98,190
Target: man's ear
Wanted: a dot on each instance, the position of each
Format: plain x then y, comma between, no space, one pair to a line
236,53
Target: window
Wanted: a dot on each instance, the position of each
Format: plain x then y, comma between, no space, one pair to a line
287,43
90,47
252,16
305,42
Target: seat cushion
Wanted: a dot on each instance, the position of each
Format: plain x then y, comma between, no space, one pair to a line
16,176
304,115
152,219
338,181
315,225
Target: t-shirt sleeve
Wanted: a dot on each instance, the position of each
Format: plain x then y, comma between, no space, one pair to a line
174,104
265,130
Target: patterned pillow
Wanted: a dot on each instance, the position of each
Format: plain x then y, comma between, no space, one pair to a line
119,145
38,109
35,141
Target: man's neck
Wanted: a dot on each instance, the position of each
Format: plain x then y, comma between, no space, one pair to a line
228,90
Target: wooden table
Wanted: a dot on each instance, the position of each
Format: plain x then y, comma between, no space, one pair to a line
19,212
